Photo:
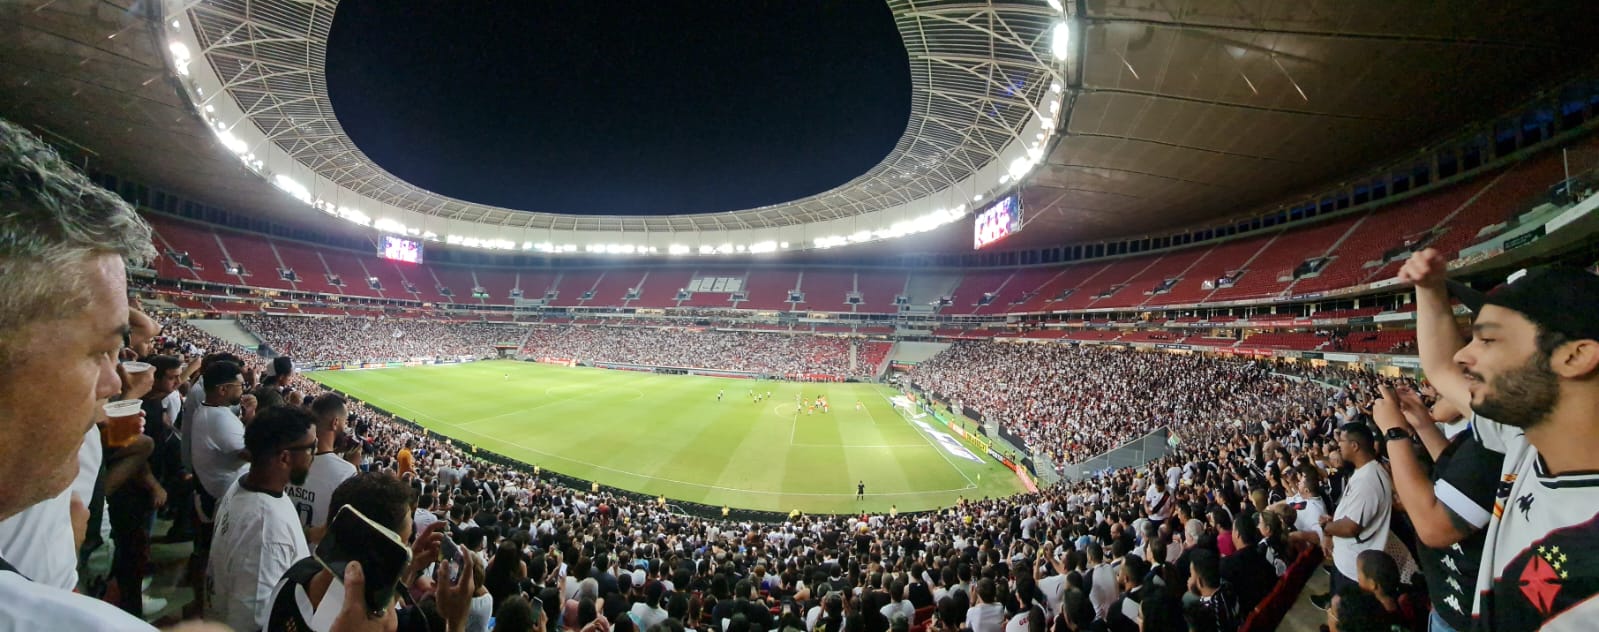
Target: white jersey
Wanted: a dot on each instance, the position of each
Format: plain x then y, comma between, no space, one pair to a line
258,537
51,608
191,404
311,499
218,439
1540,567
33,540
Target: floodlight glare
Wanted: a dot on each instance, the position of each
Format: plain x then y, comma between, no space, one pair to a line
1060,40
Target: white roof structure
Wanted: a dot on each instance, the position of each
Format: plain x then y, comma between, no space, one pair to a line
986,98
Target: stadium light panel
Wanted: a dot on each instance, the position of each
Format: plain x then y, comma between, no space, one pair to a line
1060,40
289,185
1055,4
1019,168
180,57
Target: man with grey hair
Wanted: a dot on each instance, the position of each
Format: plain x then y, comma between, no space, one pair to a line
64,310
64,313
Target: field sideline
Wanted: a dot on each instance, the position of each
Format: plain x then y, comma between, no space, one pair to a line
668,434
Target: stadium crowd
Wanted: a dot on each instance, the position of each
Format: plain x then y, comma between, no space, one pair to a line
342,339
1197,540
771,354
1071,403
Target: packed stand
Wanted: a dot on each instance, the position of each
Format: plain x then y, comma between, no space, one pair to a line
770,354
1071,402
379,339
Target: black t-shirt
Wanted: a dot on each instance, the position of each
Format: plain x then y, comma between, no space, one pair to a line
1464,480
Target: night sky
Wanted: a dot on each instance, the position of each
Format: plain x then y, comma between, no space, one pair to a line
639,108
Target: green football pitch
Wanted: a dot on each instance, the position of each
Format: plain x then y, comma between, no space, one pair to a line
670,435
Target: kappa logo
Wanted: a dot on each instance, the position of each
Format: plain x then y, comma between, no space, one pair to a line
1524,503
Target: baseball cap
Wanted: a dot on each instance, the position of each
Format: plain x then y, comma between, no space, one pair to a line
1557,298
281,365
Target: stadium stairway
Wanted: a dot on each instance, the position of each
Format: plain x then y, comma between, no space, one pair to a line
914,352
228,329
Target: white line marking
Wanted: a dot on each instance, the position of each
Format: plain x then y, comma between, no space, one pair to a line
936,448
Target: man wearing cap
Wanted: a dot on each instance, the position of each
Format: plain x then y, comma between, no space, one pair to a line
269,394
1530,377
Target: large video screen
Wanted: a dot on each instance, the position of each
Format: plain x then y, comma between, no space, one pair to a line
997,221
398,249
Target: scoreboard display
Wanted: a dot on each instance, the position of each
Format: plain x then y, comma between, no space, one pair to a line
398,249
997,222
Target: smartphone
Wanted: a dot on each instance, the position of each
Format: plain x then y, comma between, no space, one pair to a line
450,552
538,607
353,537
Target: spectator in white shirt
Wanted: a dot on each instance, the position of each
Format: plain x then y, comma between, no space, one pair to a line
1362,519
328,468
898,604
1102,581
258,534
985,615
218,449
648,613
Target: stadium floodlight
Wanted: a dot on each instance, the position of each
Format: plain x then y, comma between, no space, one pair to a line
1055,87
977,198
389,226
1055,4
1020,167
292,187
764,246
180,57
1060,41
783,245
677,249
233,143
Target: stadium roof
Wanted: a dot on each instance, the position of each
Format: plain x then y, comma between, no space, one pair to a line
1169,114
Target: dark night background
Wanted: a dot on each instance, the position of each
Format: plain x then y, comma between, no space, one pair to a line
637,108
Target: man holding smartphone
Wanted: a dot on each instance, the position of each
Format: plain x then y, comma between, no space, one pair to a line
309,596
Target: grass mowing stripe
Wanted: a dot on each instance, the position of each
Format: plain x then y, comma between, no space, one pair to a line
663,434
